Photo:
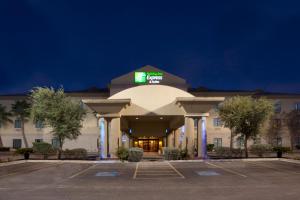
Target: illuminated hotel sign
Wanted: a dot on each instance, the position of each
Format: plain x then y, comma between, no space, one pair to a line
148,77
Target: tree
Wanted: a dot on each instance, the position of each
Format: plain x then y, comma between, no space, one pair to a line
245,115
293,123
58,111
4,118
21,109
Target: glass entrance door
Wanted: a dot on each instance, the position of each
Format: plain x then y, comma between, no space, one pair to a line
148,145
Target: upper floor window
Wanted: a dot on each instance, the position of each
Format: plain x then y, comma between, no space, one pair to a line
277,107
217,122
18,123
297,106
39,124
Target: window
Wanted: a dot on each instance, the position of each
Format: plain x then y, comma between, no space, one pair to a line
276,123
18,123
277,141
217,122
17,143
240,142
55,143
277,107
217,142
297,106
39,124
257,140
297,142
38,140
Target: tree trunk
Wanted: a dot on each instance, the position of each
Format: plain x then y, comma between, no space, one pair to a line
246,147
60,149
23,134
231,140
1,143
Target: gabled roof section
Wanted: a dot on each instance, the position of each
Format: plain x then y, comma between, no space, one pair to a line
127,81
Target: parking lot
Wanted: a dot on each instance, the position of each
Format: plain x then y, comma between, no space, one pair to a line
151,180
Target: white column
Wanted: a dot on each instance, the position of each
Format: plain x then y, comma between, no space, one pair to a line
202,138
102,139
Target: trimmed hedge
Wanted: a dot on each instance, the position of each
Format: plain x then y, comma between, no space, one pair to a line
122,153
43,148
224,152
174,154
260,149
77,154
135,154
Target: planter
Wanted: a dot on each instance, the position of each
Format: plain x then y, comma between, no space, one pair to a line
26,155
279,154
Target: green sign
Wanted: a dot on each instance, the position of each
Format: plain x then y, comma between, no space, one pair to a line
148,77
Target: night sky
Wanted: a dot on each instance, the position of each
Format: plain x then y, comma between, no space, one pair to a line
217,44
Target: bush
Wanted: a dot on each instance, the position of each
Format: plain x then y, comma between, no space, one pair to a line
183,154
77,154
210,147
4,148
260,149
122,153
171,154
24,150
225,152
135,154
43,148
297,146
282,149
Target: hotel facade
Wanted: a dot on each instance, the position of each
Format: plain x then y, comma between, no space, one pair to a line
152,109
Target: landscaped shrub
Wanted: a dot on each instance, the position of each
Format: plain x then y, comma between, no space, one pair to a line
260,149
135,154
77,154
210,147
171,153
183,154
282,149
122,153
43,148
25,151
4,148
225,152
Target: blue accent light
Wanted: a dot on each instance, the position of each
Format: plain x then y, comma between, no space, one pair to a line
102,138
204,142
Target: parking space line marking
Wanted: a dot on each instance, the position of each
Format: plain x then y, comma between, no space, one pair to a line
228,170
31,170
82,171
275,169
175,170
136,169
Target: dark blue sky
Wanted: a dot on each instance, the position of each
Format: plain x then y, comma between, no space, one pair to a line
217,44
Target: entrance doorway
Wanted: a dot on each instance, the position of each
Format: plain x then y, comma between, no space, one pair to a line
148,145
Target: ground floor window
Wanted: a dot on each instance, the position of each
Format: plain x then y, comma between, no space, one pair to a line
240,142
217,142
277,141
55,143
38,140
17,143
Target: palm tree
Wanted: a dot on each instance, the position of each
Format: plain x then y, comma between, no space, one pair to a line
4,117
21,109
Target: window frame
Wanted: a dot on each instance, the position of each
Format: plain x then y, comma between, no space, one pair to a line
15,142
20,123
